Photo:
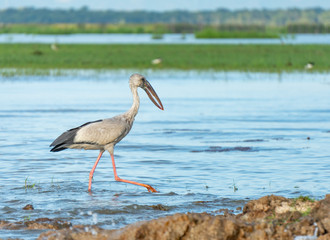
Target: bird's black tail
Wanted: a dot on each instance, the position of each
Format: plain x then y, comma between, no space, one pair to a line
67,138
64,140
58,148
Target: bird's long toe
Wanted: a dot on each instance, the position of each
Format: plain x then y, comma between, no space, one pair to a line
151,189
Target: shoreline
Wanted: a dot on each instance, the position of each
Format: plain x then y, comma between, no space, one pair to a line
156,73
269,217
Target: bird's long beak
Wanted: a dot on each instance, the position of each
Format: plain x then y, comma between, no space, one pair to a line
151,94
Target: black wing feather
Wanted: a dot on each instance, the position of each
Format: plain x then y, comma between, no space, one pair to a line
66,138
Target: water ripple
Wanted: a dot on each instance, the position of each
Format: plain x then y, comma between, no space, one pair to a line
223,139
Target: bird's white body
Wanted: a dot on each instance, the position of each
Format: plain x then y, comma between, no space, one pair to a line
102,135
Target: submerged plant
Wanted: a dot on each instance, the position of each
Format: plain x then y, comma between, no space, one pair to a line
27,185
27,218
235,188
55,184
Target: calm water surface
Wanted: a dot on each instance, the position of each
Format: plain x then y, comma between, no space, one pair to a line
224,139
147,38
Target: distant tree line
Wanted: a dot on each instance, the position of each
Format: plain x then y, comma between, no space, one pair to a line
307,28
278,17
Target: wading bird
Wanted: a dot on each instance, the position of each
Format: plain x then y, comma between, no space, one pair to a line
104,134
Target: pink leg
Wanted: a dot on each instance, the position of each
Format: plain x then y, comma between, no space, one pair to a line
150,189
93,169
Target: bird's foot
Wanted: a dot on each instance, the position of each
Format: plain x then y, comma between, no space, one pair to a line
151,189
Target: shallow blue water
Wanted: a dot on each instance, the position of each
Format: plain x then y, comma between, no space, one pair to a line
224,138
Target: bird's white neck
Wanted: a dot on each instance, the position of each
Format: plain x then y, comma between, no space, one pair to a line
131,113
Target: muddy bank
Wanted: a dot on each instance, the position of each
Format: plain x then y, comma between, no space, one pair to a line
270,217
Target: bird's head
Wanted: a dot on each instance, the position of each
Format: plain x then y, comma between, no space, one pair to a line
138,80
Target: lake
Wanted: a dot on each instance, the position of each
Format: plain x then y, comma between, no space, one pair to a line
147,38
222,140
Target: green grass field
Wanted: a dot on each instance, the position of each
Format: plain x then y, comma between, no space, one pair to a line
256,58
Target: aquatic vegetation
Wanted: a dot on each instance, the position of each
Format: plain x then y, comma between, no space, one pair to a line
234,186
74,28
303,199
213,33
154,28
157,36
307,212
28,185
27,218
55,185
39,59
302,204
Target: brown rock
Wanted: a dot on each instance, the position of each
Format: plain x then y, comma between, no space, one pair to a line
28,207
77,233
321,214
258,235
160,207
40,223
324,237
46,223
264,206
179,226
